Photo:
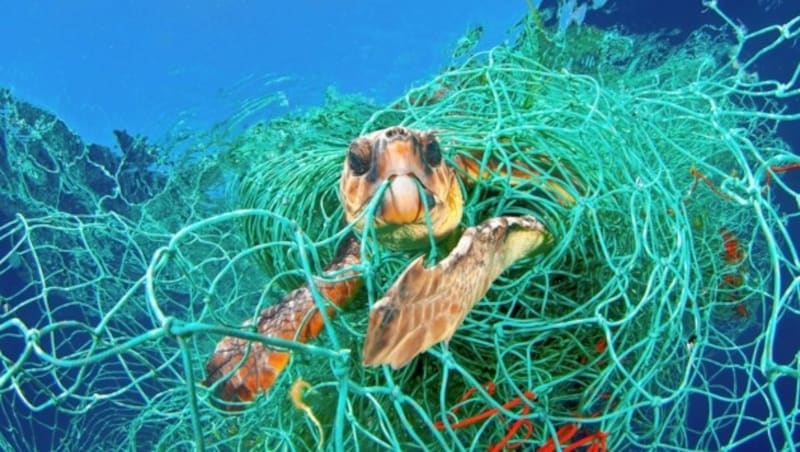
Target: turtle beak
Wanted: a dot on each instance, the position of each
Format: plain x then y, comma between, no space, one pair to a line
401,164
402,201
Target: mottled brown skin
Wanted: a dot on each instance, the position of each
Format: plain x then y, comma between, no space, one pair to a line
424,306
295,317
470,164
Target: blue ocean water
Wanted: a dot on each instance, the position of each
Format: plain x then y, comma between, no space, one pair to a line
137,65
144,66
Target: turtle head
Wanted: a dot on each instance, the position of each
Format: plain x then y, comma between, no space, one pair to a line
411,161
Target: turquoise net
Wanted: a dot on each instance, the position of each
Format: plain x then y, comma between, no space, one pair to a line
651,322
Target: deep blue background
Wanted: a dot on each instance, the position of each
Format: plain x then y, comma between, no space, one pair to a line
143,65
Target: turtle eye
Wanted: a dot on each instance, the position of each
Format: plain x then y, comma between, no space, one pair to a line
358,159
433,154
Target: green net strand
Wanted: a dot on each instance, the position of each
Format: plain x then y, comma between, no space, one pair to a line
651,322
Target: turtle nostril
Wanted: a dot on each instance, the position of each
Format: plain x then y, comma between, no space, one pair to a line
397,132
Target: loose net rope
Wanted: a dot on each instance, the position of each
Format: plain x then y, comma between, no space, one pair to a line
650,323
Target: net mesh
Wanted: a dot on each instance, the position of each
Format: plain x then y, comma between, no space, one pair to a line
651,323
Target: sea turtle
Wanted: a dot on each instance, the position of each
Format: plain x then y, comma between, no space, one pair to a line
425,305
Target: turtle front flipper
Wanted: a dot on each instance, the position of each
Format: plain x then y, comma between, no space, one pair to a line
250,367
426,305
557,179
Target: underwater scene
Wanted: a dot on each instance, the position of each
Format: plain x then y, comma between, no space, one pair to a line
536,225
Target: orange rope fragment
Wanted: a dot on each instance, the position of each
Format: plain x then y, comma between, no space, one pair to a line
596,441
485,414
733,253
600,347
564,434
513,431
599,446
489,386
779,169
582,442
698,176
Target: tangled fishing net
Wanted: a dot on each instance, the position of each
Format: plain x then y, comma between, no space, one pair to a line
650,323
